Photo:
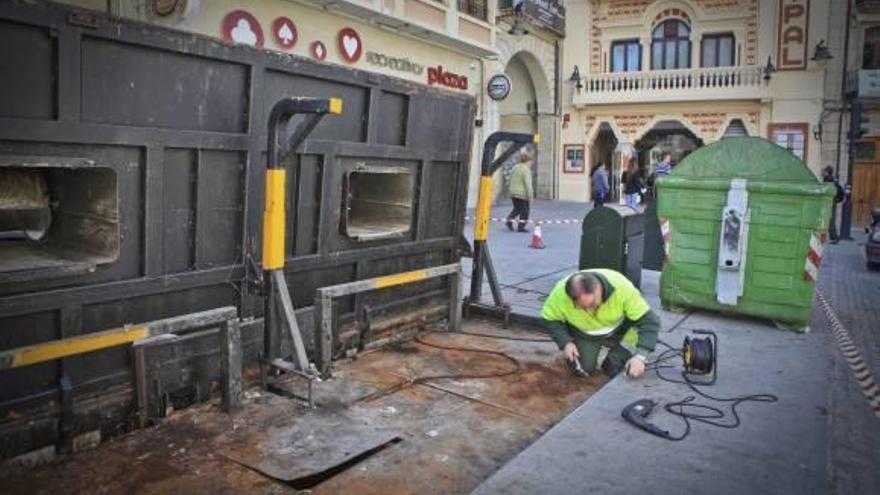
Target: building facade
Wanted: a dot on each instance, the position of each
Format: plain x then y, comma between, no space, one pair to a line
456,45
657,76
528,38
854,77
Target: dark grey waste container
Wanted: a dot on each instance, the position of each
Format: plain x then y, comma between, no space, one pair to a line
613,237
652,258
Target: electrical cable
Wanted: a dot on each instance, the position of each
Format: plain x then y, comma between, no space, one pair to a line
459,376
689,411
679,322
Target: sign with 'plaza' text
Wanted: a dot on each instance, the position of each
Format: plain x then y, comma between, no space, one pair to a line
794,18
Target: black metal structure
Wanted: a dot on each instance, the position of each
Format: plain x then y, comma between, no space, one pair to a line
170,128
482,260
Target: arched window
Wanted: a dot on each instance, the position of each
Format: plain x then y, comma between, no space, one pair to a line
671,45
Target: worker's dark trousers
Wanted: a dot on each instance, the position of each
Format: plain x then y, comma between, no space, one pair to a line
520,210
588,348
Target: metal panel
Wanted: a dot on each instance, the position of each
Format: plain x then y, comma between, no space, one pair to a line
350,126
393,108
207,95
178,196
172,115
27,76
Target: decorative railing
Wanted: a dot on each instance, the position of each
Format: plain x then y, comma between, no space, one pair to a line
702,83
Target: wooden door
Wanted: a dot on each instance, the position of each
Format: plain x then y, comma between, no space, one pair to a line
866,182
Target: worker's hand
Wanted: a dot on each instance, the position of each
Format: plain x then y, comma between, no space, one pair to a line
635,367
570,351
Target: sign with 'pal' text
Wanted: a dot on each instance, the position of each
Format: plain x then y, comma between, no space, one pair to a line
794,18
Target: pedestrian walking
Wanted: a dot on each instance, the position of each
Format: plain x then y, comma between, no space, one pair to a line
521,193
634,186
828,176
601,188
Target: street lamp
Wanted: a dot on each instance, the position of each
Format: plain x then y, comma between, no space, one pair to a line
768,70
519,27
821,53
575,79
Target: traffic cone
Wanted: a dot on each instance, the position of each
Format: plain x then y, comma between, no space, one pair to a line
537,240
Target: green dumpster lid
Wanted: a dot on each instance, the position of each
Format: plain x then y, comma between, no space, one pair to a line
751,158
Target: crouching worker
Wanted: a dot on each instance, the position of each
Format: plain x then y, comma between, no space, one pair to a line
594,308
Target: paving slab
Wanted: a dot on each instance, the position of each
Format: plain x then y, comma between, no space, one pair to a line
778,448
526,274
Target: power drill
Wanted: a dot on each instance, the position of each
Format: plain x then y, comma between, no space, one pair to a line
637,414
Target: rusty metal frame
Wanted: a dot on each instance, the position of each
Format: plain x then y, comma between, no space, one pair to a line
325,295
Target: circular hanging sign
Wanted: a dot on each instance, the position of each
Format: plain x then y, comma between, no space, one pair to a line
240,26
350,46
318,50
285,32
498,87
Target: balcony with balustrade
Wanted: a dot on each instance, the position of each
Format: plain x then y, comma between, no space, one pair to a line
675,85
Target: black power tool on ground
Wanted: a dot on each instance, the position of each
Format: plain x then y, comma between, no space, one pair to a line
637,414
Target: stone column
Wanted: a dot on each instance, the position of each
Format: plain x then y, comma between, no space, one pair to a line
547,159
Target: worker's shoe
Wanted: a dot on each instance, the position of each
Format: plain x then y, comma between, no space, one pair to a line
509,225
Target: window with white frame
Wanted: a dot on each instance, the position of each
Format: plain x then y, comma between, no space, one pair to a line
718,50
626,56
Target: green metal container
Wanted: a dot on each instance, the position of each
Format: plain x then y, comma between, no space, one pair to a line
744,222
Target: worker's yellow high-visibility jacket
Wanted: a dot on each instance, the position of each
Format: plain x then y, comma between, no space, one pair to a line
622,303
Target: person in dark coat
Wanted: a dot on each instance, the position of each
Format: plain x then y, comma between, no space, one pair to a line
828,176
633,186
601,188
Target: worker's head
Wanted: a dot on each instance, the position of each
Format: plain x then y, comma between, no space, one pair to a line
828,172
667,157
525,157
585,290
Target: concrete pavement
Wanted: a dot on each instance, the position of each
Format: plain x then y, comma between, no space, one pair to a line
527,275
820,437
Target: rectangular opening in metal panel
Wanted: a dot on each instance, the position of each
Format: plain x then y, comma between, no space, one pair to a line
58,216
378,202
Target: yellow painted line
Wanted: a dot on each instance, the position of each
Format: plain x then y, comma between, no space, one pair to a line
401,278
336,106
484,204
536,138
40,353
274,219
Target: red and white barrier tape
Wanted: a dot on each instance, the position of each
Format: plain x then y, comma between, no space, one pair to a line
814,256
667,236
534,222
853,357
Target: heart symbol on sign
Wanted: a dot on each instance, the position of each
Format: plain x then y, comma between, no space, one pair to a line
350,43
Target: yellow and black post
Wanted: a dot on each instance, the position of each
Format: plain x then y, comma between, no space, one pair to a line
278,307
482,260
